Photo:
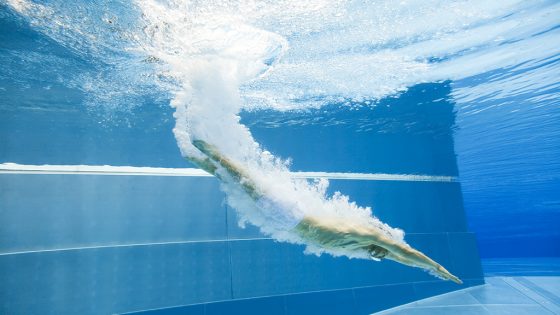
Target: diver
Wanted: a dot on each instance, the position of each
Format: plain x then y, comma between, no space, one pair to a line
325,232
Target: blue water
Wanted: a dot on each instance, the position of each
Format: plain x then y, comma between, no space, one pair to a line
471,93
509,166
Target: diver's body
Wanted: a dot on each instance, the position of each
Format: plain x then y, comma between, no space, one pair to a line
328,233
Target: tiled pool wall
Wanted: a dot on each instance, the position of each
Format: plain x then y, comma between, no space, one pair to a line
95,244
91,244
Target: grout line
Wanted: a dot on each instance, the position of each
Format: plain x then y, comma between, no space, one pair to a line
127,245
229,255
413,304
354,300
538,289
463,305
532,294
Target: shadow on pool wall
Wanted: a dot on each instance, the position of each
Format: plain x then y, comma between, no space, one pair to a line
169,245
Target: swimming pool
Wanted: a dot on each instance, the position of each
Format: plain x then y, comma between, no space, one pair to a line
442,118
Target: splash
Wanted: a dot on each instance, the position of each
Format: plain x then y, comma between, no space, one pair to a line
214,59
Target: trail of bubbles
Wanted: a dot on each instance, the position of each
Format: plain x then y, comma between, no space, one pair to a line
207,108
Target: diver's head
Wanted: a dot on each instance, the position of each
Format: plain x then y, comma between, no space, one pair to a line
376,252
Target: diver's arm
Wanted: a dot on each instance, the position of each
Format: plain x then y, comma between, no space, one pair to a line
409,256
331,233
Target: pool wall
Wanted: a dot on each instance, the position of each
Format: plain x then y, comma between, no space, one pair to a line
93,244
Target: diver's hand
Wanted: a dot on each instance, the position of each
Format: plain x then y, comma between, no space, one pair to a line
443,273
407,255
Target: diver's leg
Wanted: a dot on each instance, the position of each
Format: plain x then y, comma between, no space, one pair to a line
235,171
212,152
204,163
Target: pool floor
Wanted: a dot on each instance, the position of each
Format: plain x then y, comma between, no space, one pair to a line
524,286
538,295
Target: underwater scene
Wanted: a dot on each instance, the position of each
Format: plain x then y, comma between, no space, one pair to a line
279,157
